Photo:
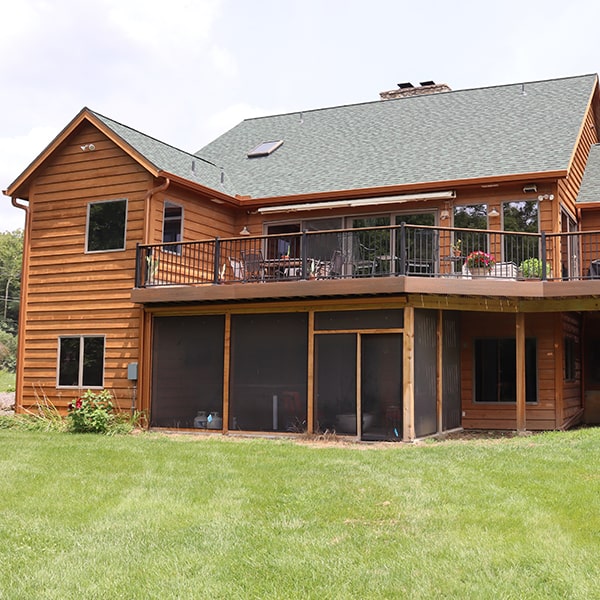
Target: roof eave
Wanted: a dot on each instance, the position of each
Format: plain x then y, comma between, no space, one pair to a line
251,202
198,187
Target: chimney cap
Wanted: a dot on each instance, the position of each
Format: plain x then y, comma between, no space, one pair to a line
427,83
406,85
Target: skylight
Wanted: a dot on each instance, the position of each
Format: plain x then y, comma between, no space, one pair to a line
265,149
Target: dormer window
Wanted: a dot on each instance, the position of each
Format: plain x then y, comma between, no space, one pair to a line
265,149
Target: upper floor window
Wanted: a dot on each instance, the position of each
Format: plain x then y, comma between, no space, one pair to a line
106,222
522,218
471,216
81,361
172,225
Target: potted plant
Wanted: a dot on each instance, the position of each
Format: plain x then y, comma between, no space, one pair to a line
480,263
457,247
532,268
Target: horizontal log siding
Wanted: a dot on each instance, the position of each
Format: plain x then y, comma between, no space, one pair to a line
569,187
539,416
572,390
202,218
71,292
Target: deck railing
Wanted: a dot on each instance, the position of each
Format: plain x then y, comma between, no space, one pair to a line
411,250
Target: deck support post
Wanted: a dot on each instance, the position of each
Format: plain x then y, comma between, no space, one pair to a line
520,357
408,369
439,372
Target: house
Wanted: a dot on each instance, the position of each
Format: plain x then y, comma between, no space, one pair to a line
386,270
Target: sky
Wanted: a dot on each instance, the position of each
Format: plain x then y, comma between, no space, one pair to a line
186,71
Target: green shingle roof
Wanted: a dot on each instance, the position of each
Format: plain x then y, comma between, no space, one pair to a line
168,158
590,185
485,132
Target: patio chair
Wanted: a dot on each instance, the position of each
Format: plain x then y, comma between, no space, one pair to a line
336,265
364,263
254,266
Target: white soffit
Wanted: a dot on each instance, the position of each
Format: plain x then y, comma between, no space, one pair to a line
445,195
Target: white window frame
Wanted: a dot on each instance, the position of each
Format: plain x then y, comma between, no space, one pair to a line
169,204
80,384
87,226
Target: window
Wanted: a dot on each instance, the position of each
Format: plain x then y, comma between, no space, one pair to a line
473,216
172,225
106,225
520,217
570,358
496,370
320,246
81,361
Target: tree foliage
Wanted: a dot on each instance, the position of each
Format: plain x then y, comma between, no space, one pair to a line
11,254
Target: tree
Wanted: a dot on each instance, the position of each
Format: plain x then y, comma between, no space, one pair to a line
11,255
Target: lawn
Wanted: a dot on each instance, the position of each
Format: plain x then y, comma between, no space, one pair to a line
154,516
7,381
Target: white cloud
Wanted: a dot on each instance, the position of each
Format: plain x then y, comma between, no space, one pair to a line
160,27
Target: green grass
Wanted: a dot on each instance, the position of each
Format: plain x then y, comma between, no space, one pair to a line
7,381
153,516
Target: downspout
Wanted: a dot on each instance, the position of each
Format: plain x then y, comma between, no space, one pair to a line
143,385
148,202
23,296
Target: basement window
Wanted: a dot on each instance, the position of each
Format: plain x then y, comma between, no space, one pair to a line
265,149
496,370
81,361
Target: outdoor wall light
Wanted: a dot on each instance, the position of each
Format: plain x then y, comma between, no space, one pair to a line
493,213
542,197
244,230
530,188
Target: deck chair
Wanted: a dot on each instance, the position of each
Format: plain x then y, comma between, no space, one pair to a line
237,268
336,265
364,263
254,266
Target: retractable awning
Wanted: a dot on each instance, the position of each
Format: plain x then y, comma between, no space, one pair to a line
444,195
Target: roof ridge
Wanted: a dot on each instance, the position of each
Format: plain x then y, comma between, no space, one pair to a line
379,101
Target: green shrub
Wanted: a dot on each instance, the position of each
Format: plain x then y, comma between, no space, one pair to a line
532,268
8,351
91,413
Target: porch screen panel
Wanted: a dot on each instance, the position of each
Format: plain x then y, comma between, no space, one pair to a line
450,370
335,383
381,386
359,319
269,369
425,372
187,369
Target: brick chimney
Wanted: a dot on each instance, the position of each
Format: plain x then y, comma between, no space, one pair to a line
408,89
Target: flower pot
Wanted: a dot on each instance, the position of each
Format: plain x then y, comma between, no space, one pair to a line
479,271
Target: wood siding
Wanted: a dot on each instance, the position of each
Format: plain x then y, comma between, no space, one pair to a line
202,218
572,402
540,415
71,292
569,187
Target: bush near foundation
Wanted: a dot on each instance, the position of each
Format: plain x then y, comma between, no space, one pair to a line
91,413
